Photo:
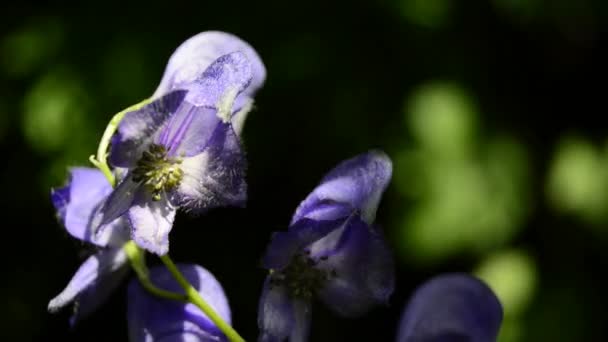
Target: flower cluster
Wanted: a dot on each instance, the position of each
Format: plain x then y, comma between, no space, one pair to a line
181,149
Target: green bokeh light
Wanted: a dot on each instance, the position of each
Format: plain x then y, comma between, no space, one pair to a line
468,195
577,182
512,275
28,48
427,13
443,117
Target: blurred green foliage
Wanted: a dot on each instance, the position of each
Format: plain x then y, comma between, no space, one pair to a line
469,191
513,276
577,183
485,176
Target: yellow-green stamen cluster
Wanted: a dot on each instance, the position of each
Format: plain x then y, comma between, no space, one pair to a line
157,171
301,278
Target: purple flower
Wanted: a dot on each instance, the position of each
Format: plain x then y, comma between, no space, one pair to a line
182,150
331,250
451,308
154,319
102,272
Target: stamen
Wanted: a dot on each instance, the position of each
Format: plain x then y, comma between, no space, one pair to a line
301,277
157,171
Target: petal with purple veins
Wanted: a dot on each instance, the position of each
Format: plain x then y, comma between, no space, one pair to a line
359,182
451,307
137,128
196,54
151,318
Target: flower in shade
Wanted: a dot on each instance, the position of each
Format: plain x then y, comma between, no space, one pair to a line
331,251
101,272
182,150
151,318
451,307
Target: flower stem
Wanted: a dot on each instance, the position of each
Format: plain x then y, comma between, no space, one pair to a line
195,298
137,260
102,150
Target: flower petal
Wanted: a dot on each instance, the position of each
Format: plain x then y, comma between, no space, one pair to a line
215,177
284,245
151,222
151,318
358,182
117,203
451,307
190,130
230,73
194,56
137,128
362,268
77,202
280,317
96,278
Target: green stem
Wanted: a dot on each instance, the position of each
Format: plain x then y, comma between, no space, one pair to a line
195,298
137,260
102,150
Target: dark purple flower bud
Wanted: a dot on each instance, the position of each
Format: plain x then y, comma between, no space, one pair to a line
183,149
451,308
103,271
152,318
331,251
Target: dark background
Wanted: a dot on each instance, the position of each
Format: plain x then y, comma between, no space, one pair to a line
342,77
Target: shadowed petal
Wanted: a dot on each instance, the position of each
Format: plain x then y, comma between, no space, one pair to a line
92,283
196,54
451,307
136,130
215,177
151,222
280,317
358,182
284,245
362,267
79,199
152,319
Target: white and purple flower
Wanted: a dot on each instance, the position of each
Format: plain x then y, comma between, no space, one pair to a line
182,150
451,307
155,319
331,251
98,275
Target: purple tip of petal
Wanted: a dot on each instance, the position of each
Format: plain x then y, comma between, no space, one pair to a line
94,281
195,55
451,307
358,182
151,318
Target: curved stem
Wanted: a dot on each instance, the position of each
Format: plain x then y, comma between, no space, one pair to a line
100,161
196,299
137,260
